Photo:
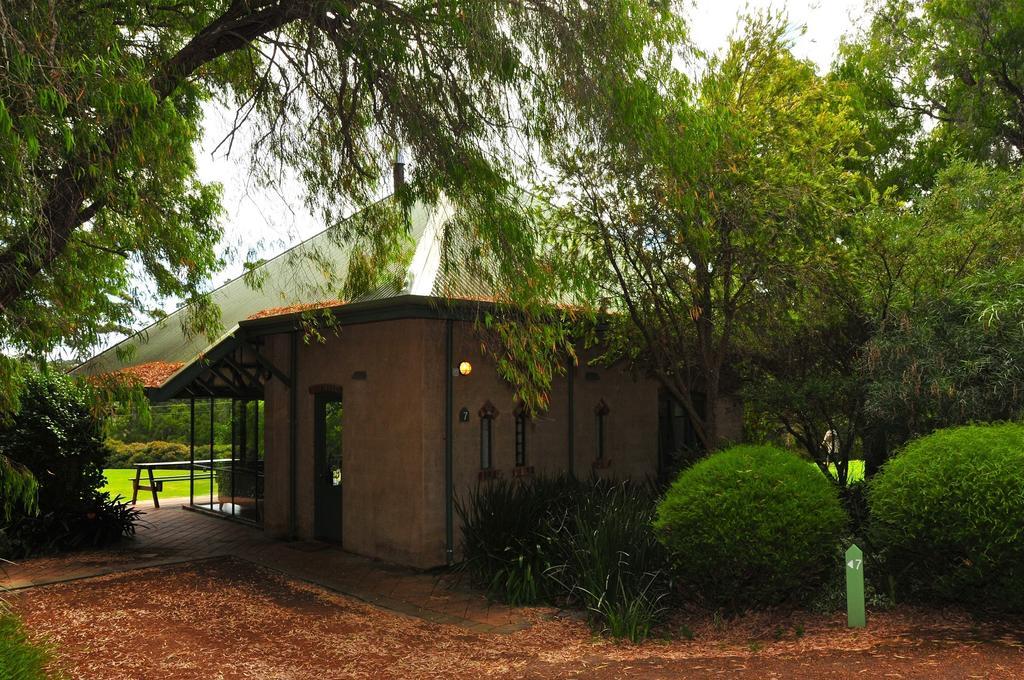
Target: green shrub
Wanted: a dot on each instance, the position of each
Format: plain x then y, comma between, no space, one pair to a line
751,526
562,540
56,435
19,658
947,517
613,563
125,455
102,521
506,549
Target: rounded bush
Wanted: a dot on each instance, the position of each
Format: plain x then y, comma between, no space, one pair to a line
751,526
947,517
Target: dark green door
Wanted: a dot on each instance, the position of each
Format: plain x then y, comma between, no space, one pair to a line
327,434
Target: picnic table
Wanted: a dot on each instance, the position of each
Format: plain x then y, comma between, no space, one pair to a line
156,484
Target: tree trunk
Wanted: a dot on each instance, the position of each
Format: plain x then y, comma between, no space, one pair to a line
711,410
876,451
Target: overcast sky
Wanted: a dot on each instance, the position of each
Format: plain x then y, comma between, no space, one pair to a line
259,224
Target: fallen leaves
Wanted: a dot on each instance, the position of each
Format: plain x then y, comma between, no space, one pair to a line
226,618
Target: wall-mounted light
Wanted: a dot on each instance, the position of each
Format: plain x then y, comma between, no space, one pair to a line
464,415
465,368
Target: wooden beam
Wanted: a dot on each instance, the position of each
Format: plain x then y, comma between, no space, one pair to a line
267,364
252,381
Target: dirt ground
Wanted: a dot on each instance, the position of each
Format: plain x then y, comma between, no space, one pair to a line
230,619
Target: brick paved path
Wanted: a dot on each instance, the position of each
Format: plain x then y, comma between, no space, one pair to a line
173,534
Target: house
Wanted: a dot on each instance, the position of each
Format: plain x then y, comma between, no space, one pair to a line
368,434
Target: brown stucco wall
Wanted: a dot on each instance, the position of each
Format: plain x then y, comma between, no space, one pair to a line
631,425
393,462
382,463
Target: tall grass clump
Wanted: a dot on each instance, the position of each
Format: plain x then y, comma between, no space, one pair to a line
751,526
567,542
506,548
613,564
947,517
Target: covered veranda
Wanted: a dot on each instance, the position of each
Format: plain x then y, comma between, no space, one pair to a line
224,391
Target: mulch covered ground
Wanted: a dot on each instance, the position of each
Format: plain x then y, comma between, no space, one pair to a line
230,619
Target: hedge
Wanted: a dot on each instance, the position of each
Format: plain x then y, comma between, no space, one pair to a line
947,517
751,526
125,455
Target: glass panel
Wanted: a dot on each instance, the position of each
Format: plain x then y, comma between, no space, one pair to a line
210,452
227,476
520,439
247,472
332,435
485,443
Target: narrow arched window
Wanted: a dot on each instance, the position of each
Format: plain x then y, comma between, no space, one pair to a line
520,438
601,415
487,415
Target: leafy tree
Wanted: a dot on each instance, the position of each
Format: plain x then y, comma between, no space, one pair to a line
702,209
936,87
948,349
917,328
101,106
936,77
968,224
18,488
947,363
806,379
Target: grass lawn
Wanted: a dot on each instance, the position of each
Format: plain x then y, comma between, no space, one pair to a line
855,473
120,482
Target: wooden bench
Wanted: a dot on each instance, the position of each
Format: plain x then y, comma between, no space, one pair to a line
156,484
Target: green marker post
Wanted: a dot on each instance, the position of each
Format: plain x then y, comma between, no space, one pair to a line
855,588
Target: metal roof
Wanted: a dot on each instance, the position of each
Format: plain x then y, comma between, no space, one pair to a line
310,274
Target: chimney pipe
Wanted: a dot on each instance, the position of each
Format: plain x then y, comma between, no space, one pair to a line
399,170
